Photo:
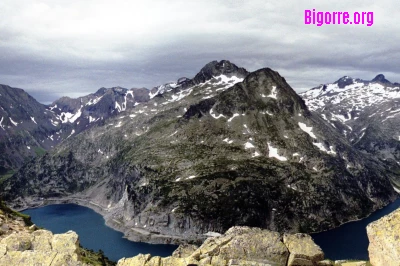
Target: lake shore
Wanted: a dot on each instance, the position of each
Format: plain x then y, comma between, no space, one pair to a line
135,234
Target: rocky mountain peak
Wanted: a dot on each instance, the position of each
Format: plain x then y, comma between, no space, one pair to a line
266,83
215,68
100,91
381,79
103,90
344,81
181,80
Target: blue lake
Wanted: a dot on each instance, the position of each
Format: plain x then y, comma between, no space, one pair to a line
92,231
350,240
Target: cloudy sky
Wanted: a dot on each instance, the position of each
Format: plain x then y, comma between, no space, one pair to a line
70,47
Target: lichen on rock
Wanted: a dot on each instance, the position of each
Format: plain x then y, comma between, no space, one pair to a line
40,248
303,250
384,236
240,246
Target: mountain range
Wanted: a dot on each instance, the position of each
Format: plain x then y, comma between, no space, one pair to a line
197,156
364,112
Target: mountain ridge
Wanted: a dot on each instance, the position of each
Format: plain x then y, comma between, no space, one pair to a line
204,158
364,112
67,117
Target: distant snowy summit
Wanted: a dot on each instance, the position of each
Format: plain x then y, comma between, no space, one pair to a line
359,93
367,113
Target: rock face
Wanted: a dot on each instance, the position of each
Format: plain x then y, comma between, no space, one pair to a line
241,246
303,250
21,243
384,236
40,248
24,123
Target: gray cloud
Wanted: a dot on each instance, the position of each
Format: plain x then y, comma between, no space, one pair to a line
54,48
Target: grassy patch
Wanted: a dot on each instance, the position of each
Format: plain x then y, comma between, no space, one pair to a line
39,151
6,176
95,258
6,209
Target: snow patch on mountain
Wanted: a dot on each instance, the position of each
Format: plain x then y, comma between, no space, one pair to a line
13,122
227,140
93,101
72,133
321,147
234,115
307,129
273,93
359,95
273,153
248,145
33,119
214,115
180,95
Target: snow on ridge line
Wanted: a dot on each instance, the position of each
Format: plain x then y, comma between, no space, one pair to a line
130,92
162,89
273,153
225,79
307,129
366,95
1,121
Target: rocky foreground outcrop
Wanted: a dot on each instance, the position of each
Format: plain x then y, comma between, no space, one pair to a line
384,240
40,247
22,243
241,246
